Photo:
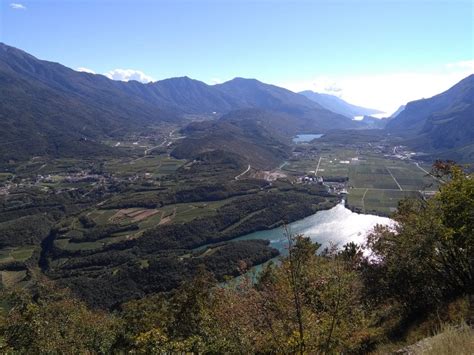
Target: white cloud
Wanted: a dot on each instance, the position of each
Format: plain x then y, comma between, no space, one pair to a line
85,70
17,6
387,91
128,74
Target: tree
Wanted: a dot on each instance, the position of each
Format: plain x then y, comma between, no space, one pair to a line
300,251
55,322
305,304
429,256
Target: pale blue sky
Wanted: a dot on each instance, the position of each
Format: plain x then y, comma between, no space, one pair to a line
291,43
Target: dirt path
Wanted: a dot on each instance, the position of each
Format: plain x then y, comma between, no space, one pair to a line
245,172
428,173
393,177
317,167
363,199
168,219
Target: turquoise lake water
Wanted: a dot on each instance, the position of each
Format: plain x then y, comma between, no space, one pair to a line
301,138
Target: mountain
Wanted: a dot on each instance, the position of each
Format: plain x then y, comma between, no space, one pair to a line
189,96
252,93
399,110
59,111
442,125
62,112
373,122
337,105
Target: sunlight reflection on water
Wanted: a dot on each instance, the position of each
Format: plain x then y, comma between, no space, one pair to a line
337,225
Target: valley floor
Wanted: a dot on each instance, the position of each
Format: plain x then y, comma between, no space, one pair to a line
112,218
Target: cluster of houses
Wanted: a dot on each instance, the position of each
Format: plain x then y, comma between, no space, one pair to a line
400,152
73,178
335,187
4,190
310,179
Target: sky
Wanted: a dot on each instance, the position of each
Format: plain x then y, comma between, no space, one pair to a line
374,53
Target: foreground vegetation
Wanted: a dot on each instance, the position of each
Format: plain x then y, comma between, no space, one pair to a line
399,287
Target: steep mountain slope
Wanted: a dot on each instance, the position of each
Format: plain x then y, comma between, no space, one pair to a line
188,96
253,93
62,112
399,110
373,122
57,110
439,124
337,105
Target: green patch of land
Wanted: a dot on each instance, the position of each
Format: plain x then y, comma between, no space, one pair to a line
16,254
152,165
375,179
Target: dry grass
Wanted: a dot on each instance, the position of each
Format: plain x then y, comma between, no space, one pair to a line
453,340
449,341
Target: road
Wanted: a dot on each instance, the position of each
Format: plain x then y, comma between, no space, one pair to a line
428,173
377,189
363,199
147,151
317,168
156,146
393,177
246,171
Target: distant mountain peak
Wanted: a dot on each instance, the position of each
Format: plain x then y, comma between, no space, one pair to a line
338,105
242,81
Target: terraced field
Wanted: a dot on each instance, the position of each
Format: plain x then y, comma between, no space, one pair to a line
142,217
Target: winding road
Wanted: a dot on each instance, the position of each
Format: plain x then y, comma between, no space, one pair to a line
245,172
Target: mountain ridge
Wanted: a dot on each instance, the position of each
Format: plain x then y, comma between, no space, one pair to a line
337,105
442,123
55,107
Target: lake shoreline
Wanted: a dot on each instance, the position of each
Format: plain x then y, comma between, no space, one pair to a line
337,225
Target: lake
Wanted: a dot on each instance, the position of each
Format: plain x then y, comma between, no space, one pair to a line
301,138
337,225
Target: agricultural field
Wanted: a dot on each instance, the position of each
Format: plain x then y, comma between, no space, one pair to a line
300,166
140,219
376,182
153,165
377,201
